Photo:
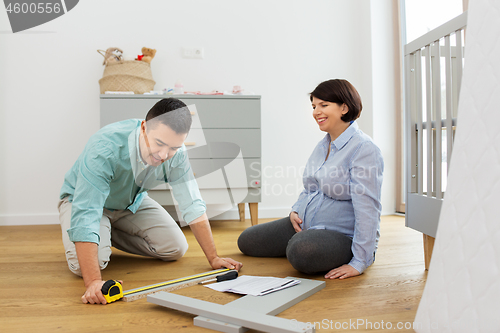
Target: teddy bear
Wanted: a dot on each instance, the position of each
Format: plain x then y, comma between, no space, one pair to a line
147,54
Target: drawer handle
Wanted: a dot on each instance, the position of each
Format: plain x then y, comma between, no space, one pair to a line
189,143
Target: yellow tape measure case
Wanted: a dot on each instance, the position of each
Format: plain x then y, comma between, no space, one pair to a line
112,290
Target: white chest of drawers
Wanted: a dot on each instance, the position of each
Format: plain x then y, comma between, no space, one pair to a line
216,119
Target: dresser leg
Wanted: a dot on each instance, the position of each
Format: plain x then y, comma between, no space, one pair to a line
241,209
428,247
254,212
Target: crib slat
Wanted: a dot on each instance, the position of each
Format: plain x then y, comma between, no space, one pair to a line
410,138
436,85
449,105
420,139
460,56
414,143
428,99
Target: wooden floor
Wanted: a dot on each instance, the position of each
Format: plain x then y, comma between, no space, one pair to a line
39,294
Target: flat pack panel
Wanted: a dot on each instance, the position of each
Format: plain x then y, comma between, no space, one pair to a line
235,316
270,304
218,325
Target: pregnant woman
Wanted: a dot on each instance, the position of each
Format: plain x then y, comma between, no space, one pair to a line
334,226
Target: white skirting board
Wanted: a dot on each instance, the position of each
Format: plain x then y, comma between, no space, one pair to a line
462,293
31,219
38,219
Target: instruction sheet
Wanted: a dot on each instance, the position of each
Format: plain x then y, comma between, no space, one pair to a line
253,285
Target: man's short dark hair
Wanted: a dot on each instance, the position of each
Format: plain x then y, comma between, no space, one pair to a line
171,112
341,92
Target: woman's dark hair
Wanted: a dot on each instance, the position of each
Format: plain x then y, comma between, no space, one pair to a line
171,112
341,92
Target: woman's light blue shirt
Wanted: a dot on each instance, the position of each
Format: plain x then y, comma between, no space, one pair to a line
343,193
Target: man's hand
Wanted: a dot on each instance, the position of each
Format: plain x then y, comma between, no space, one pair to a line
93,294
87,258
203,234
217,263
342,272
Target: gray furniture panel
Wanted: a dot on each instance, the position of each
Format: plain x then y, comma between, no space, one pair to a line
247,139
226,113
421,213
214,112
204,166
223,143
234,316
211,196
270,304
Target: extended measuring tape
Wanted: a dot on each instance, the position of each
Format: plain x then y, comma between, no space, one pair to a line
112,289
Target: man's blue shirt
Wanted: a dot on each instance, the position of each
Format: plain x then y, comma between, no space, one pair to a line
110,174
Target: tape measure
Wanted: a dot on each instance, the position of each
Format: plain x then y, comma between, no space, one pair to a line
112,290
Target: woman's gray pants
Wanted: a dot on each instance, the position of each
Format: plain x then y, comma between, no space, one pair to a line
309,251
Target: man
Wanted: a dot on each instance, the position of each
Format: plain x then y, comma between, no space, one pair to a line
104,201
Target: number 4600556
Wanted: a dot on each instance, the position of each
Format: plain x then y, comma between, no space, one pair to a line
24,8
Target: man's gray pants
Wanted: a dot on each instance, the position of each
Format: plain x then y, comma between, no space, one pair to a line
151,232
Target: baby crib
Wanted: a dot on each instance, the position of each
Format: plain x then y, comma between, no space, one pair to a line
433,73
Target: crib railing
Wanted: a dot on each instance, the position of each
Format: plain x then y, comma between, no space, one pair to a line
433,73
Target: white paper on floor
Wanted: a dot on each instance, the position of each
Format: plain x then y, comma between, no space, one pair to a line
254,285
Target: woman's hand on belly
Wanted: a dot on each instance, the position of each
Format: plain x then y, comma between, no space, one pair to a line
296,221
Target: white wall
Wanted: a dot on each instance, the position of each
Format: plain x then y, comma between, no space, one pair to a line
49,92
385,98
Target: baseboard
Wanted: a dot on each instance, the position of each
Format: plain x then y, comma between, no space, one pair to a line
32,219
213,213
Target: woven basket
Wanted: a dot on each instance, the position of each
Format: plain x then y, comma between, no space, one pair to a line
129,75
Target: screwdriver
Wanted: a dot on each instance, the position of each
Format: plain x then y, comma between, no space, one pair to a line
224,277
